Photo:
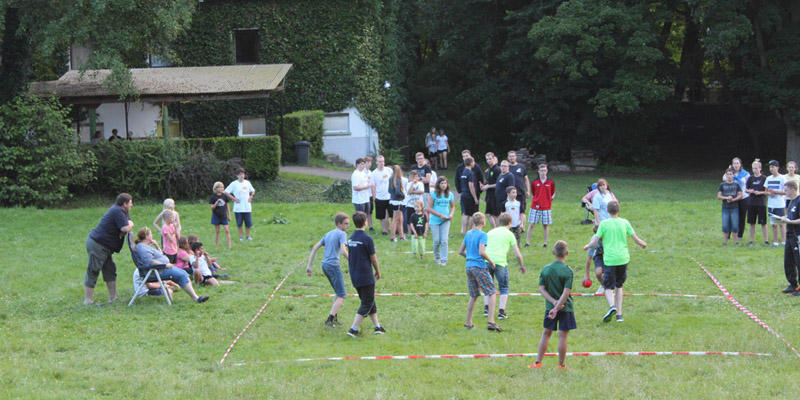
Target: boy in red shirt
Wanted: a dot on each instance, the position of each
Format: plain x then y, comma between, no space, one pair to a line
543,190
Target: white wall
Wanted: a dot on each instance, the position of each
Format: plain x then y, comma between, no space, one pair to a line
358,141
142,119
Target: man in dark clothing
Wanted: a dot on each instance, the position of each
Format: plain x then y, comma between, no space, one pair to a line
104,240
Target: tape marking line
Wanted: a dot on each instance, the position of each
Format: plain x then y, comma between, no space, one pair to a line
510,294
254,318
743,308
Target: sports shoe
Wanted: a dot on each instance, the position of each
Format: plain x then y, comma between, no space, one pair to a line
536,365
493,327
329,323
223,276
563,368
379,330
353,332
202,299
611,311
750,243
796,292
486,311
544,245
774,244
766,243
394,240
600,290
241,238
527,245
371,229
249,238
619,318
502,315
789,289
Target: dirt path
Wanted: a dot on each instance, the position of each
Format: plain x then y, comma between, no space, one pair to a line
330,173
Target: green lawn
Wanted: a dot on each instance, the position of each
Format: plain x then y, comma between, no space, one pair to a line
53,347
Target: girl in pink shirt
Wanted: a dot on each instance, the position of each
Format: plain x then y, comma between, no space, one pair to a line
169,236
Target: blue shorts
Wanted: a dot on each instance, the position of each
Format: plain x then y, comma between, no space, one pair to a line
501,273
243,217
565,321
215,220
361,207
335,277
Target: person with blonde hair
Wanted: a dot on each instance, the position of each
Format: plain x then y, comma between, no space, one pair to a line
220,212
150,255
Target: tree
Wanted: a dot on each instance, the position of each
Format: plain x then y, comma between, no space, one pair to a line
38,154
120,33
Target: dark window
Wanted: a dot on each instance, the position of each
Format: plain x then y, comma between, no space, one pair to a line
246,41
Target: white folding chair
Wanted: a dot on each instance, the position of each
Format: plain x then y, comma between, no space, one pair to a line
151,275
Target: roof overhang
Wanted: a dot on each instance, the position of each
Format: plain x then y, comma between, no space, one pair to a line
156,85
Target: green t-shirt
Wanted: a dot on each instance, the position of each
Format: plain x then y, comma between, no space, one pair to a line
555,277
500,240
615,232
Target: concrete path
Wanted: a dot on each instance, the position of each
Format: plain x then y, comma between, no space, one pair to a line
330,173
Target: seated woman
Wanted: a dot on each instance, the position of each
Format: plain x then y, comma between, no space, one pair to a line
152,256
150,288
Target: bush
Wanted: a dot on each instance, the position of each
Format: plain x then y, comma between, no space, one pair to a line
196,176
339,192
261,155
302,125
139,167
39,159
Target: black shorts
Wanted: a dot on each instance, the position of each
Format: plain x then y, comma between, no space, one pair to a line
432,154
381,206
491,205
367,296
370,205
614,276
564,321
468,206
756,213
173,258
397,208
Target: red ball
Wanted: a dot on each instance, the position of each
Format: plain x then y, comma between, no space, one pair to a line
587,283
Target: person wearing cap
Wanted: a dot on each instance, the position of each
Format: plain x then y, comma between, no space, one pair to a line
776,202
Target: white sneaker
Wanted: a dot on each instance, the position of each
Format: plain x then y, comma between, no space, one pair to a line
600,290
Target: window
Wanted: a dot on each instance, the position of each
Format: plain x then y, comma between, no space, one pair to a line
336,124
246,42
252,126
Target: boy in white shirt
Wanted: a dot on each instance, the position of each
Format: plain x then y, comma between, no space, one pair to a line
512,207
776,201
241,193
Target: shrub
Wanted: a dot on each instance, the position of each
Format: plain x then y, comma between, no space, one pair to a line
302,125
196,176
39,159
339,192
139,167
261,155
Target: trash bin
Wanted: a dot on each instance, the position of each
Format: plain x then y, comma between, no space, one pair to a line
302,149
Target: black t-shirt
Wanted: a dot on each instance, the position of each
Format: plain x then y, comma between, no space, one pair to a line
108,230
476,170
757,184
221,211
729,189
520,172
793,212
491,178
418,221
360,247
422,171
503,181
465,178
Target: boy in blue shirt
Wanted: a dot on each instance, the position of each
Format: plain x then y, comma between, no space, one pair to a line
473,248
556,280
335,243
362,260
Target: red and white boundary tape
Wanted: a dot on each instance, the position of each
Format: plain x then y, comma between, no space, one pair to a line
743,308
509,355
254,318
510,294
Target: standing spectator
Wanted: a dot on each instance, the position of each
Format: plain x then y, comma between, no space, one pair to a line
600,201
730,193
430,144
220,212
757,208
380,190
791,175
504,181
492,173
740,177
414,192
521,181
791,258
442,148
114,136
103,240
441,206
544,191
469,198
424,172
397,190
371,205
476,170
361,187
776,201
241,191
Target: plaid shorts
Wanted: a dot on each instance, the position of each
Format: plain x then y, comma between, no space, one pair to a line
479,280
543,216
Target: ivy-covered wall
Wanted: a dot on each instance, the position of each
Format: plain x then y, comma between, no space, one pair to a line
342,51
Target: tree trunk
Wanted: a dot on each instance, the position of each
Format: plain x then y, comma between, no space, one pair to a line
792,139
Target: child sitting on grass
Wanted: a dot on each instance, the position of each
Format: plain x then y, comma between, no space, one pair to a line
184,256
335,243
556,280
200,263
213,264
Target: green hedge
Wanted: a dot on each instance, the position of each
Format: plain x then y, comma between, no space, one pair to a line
302,125
261,155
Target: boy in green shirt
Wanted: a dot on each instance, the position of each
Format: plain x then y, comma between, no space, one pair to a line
614,232
556,280
500,240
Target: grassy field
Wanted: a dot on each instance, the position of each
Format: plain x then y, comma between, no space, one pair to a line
53,347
